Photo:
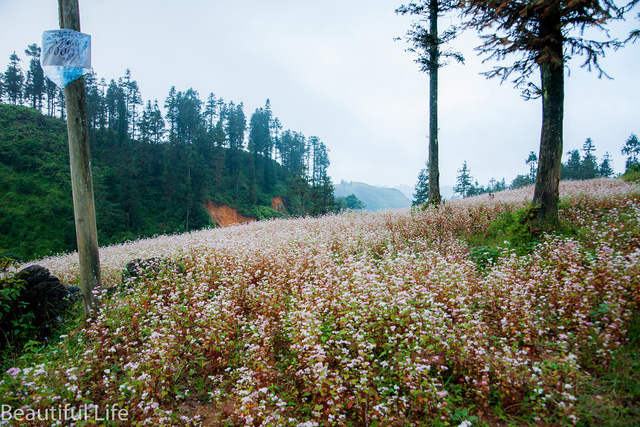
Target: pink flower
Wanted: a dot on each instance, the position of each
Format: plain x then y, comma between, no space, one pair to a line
14,372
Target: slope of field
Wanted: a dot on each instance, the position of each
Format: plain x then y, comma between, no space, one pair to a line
356,319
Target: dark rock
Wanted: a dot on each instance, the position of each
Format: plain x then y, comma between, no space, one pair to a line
44,296
138,269
45,291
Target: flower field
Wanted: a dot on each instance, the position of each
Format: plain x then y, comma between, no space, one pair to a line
355,319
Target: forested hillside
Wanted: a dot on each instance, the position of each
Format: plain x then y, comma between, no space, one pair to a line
145,187
153,174
36,211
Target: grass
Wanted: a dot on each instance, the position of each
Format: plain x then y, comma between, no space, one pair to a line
515,231
611,393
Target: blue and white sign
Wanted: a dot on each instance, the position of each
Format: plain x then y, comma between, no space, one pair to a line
66,55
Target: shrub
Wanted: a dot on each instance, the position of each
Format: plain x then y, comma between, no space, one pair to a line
16,323
632,173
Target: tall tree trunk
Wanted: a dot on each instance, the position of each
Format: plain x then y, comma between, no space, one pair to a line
434,168
547,190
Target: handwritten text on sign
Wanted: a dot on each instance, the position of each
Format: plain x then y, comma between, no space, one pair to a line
66,48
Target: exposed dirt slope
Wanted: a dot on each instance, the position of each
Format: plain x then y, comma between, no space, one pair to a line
225,216
278,204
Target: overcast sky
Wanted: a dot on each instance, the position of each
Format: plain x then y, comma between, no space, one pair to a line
332,69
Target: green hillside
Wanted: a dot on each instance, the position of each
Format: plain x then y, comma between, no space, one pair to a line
36,211
142,188
374,198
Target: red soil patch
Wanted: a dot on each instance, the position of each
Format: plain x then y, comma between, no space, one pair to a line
225,216
277,204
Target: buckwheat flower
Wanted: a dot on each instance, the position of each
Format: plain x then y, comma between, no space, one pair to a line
14,372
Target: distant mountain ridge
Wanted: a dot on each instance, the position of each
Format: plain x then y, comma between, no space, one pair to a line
407,190
446,191
374,198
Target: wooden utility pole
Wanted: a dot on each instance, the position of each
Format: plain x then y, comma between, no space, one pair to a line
80,162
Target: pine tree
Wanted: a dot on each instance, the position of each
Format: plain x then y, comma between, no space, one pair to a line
116,107
102,112
60,103
292,147
35,87
14,80
133,100
542,33
502,185
532,162
269,142
210,114
219,141
156,124
219,136
631,149
427,42
589,165
236,126
171,105
144,125
573,168
321,161
421,194
321,185
276,130
268,149
261,145
322,196
235,130
464,182
51,91
189,118
95,101
605,170
260,132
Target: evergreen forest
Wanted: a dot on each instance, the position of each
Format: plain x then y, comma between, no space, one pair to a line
153,173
